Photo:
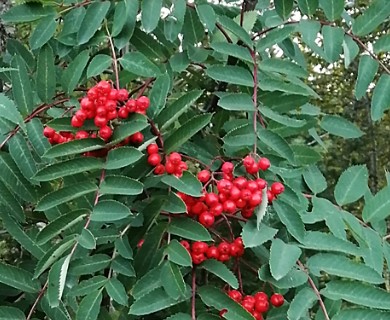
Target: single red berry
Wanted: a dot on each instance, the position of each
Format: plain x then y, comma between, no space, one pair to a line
199,247
216,210
111,115
154,159
159,169
248,161
211,199
86,103
206,219
140,243
229,206
247,213
101,101
250,299
264,164
175,158
224,248
240,203
261,183
100,121
235,295
252,169
110,105
246,194
48,132
152,148
223,257
255,200
81,135
224,186
252,186
81,114
235,193
261,296
277,188
123,113
185,244
239,241
76,122
198,258
122,95
92,94
101,112
204,176
247,305
113,95
222,197
137,138
235,250
131,105
227,167
270,196
105,132
169,167
104,87
257,315
277,300
143,102
240,182
212,253
262,306
198,208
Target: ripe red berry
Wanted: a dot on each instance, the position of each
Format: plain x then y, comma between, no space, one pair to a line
262,306
235,193
248,161
261,183
198,258
247,213
216,210
154,159
257,315
277,188
110,105
48,132
137,138
204,176
239,241
223,257
111,115
270,196
123,113
229,206
247,305
224,248
81,114
143,102
76,122
261,296
240,182
277,300
206,219
224,186
185,244
101,111
140,243
81,135
131,105
212,253
160,169
211,199
246,194
169,167
113,95
235,250
255,200
122,94
235,295
100,121
264,164
252,186
252,169
227,167
199,247
105,132
86,103
152,148
175,158
104,87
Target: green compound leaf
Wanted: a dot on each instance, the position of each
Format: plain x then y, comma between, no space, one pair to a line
110,210
116,291
361,314
121,185
371,18
43,32
98,64
351,185
368,67
341,127
137,63
178,254
18,278
377,208
254,237
172,281
187,184
231,74
381,97
89,307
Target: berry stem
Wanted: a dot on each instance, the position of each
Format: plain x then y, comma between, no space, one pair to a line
114,59
315,289
144,86
37,300
239,275
193,304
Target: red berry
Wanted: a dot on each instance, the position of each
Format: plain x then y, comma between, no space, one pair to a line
264,164
261,296
110,105
169,167
240,203
198,258
86,103
223,257
270,196
143,102
246,194
247,213
235,250
101,112
222,197
100,121
247,305
111,115
76,122
252,169
154,159
92,94
240,182
122,95
175,158
277,188
277,300
123,113
131,105
137,138
257,315
224,186
152,148
227,167
198,208
160,169
250,299
81,135
229,206
105,132
113,95
262,306
235,193
104,87
248,161
216,210
140,243
206,219
199,247
224,248
261,183
212,253
235,295
252,186
48,132
81,114
239,241
204,176
255,200
185,244
211,199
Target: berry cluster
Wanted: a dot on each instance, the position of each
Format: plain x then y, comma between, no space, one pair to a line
103,104
230,195
257,304
173,162
201,251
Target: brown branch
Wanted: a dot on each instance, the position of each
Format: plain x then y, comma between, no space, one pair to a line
40,295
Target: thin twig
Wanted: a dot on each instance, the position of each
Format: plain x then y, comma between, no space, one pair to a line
40,295
315,289
193,302
114,59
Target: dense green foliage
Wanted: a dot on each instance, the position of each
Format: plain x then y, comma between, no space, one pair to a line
224,80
